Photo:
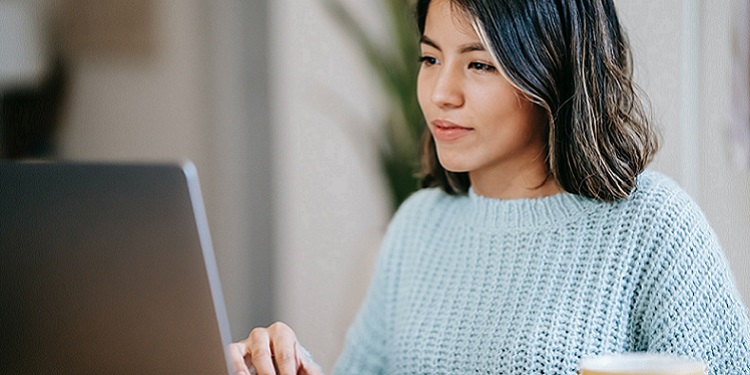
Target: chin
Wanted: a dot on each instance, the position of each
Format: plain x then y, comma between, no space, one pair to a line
453,165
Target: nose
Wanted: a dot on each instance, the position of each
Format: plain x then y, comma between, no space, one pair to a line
448,89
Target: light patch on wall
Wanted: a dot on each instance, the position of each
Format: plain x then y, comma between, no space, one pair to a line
119,28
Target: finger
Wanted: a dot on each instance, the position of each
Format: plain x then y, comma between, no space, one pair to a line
284,349
310,369
260,352
237,352
307,365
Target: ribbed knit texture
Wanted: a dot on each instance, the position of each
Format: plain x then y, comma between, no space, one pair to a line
473,285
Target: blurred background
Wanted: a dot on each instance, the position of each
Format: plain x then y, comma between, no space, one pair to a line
281,113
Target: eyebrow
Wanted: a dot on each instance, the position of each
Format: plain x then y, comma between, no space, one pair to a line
471,47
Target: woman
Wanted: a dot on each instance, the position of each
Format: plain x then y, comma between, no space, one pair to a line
539,239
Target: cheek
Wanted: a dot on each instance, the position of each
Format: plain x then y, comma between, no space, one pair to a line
423,92
504,115
500,104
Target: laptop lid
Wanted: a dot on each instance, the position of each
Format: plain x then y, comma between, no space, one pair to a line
107,268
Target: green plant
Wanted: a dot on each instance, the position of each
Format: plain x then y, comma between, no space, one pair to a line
394,62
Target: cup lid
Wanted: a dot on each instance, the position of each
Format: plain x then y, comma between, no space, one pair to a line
643,363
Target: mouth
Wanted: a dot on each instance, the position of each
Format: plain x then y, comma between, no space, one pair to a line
447,131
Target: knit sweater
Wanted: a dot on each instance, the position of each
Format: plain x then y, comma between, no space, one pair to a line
474,285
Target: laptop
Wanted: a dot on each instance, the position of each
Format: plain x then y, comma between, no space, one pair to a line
107,269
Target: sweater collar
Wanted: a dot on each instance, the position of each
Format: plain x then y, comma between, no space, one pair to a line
527,213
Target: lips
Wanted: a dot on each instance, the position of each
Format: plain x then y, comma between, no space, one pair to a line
447,131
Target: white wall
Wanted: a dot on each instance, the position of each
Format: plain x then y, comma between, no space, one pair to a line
142,107
724,189
331,207
241,159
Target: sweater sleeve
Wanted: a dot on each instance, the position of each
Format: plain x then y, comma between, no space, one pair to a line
692,306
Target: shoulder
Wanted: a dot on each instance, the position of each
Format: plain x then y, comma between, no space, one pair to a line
678,226
653,185
663,199
671,223
656,204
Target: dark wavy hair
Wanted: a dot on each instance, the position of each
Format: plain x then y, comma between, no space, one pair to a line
572,58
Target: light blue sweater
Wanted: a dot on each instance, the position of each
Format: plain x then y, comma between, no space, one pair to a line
473,285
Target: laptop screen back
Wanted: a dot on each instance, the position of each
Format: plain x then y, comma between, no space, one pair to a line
107,269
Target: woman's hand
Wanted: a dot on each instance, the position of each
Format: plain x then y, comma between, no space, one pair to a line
271,351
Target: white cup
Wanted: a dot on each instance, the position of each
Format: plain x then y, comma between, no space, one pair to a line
641,364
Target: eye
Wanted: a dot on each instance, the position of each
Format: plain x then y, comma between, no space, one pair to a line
427,60
482,67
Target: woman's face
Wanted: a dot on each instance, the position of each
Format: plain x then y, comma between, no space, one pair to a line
481,124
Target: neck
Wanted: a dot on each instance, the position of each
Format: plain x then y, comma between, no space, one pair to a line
515,183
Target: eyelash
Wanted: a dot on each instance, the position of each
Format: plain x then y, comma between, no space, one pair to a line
427,60
482,67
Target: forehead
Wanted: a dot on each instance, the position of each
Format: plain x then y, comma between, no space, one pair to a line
444,17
